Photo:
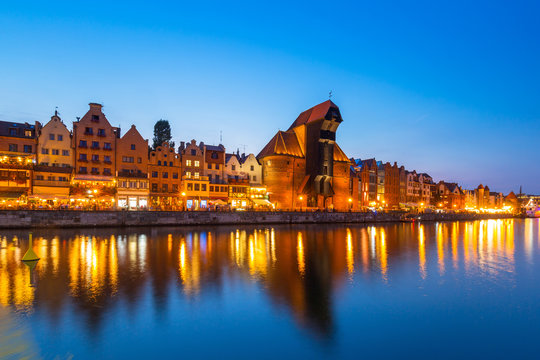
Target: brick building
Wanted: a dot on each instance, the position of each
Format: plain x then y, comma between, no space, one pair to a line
391,185
304,166
132,171
95,140
165,169
18,142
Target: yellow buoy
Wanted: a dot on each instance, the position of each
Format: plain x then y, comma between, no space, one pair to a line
30,254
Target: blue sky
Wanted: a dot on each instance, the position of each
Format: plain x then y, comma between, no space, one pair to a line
448,88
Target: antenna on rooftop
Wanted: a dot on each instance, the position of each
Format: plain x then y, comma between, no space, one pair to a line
330,94
220,137
56,111
244,147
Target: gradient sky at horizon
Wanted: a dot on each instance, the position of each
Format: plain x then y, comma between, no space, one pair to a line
451,89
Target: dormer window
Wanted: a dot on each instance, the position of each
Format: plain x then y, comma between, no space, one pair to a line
95,118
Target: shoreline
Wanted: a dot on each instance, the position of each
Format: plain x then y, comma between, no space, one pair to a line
47,219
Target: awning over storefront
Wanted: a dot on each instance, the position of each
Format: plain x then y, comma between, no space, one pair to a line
218,202
11,194
262,202
48,197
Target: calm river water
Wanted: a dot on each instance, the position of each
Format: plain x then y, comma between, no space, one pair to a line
433,290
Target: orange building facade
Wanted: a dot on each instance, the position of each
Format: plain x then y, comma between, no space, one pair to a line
304,167
164,168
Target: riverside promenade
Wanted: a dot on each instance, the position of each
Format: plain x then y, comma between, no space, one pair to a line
12,219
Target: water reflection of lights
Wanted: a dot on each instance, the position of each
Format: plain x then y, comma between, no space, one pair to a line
300,254
422,251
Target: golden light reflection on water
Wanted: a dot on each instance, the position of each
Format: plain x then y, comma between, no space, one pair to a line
291,262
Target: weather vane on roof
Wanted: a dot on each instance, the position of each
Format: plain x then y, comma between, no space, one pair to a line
330,94
56,111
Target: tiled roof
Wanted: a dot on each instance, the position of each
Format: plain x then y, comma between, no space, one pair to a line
315,113
6,125
283,143
339,155
215,148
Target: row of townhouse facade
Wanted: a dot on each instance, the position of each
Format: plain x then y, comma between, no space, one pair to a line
94,166
389,186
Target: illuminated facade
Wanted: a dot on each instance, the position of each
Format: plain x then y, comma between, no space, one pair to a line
304,166
55,156
18,142
95,141
132,171
164,169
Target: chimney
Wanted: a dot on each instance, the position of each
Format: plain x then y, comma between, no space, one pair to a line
95,106
182,145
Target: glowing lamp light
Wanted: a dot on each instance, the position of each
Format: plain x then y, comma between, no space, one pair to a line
301,198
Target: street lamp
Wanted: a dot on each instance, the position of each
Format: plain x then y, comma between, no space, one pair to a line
184,200
300,198
350,203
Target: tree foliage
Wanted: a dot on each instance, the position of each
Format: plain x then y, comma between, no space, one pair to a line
162,134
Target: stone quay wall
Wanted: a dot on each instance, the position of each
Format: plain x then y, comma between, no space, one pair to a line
11,219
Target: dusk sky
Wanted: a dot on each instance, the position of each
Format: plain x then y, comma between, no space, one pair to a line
449,89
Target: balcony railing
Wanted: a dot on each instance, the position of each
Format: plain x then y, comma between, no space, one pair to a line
50,183
107,148
95,161
94,147
107,161
83,160
95,172
132,175
83,146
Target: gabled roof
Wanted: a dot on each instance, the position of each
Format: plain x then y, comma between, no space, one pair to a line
339,155
315,113
229,156
283,143
215,148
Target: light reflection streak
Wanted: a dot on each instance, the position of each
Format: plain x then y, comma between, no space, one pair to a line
422,252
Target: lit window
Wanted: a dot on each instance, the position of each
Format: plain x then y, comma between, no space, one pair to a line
188,174
196,163
188,162
196,175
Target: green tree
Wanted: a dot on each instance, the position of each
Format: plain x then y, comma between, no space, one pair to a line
162,134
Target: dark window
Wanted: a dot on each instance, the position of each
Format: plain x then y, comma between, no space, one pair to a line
217,178
175,175
82,157
95,157
82,143
214,155
107,159
159,162
12,132
165,175
51,136
209,166
217,166
154,187
65,152
197,187
190,186
139,160
95,145
44,151
170,163
252,167
193,152
210,177
233,167
164,187
82,169
175,187
154,174
132,146
107,146
95,118
96,171
101,132
88,131
107,171
203,187
59,137
211,188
